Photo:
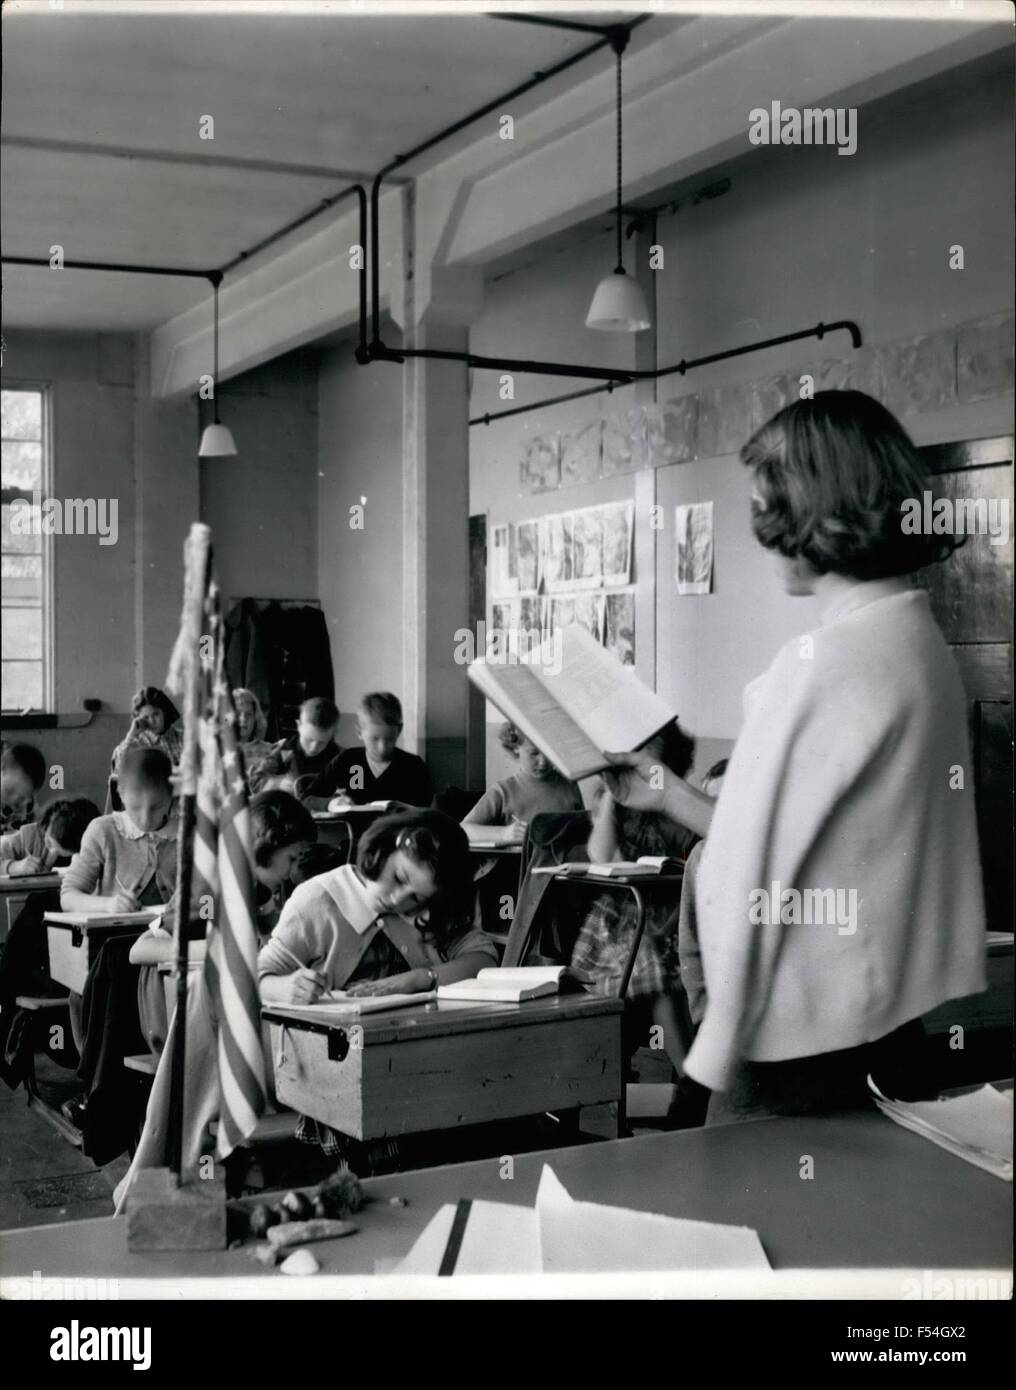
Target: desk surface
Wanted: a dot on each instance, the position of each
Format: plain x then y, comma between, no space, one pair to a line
25,883
881,1198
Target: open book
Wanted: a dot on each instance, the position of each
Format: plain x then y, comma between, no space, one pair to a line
646,866
142,918
339,1005
494,836
496,985
576,709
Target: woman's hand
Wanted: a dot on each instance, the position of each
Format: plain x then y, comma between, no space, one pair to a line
302,987
632,780
409,982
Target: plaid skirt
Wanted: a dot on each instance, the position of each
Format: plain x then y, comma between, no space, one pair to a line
363,1156
605,940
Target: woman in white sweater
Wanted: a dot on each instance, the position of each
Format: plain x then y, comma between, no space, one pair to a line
839,896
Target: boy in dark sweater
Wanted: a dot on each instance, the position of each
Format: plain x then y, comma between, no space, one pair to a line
302,759
379,770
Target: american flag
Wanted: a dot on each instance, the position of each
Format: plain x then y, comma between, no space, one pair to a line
224,883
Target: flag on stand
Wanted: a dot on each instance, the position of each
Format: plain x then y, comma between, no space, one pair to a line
224,889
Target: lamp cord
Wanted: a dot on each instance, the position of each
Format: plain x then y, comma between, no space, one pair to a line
215,357
619,268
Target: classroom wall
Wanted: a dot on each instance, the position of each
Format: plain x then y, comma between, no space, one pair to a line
261,505
929,173
103,609
802,235
359,572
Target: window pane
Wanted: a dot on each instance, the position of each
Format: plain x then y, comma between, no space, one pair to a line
15,542
22,464
21,413
22,684
21,631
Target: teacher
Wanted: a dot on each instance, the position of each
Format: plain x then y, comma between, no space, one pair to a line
839,895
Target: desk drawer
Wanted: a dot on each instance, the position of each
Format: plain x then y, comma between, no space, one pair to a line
407,1085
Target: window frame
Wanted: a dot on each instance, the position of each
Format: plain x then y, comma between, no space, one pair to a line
45,390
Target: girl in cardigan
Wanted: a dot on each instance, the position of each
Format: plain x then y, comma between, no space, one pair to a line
396,922
839,894
536,787
604,942
155,724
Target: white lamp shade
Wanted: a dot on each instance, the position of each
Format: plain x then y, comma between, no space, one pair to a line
618,306
216,443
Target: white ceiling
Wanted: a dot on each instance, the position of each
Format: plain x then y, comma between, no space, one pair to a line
101,152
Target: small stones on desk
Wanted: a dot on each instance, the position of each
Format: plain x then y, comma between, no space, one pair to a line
299,1262
398,1201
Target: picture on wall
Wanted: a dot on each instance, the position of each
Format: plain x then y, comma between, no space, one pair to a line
556,552
503,582
524,556
618,521
587,539
694,548
540,469
584,609
619,626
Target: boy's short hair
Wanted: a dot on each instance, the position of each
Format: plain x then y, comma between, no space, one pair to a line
831,476
28,759
277,821
435,841
510,738
67,820
145,767
158,699
383,707
320,712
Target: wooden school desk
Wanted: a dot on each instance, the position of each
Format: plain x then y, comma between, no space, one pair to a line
440,1065
14,889
881,1198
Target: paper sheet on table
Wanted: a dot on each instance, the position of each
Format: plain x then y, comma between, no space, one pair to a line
498,1239
586,1238
560,1235
977,1127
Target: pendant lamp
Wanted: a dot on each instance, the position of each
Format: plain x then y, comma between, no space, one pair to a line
217,439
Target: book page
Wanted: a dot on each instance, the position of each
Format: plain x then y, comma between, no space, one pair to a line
521,976
611,706
522,698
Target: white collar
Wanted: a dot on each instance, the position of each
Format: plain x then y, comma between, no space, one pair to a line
351,896
126,827
864,592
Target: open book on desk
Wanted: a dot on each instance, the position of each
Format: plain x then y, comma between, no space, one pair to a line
647,866
494,836
145,917
509,985
338,1005
576,710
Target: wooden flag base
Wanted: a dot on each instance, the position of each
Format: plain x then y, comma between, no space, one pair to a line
164,1214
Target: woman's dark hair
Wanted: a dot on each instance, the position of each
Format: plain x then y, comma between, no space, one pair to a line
433,840
67,820
277,821
158,699
145,767
29,759
677,749
831,477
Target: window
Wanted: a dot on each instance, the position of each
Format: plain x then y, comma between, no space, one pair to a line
25,551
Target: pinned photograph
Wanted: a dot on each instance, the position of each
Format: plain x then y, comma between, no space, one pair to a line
618,520
557,555
694,548
619,626
524,557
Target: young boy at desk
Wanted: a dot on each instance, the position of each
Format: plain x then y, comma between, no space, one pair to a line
378,770
52,840
396,922
536,787
303,757
22,774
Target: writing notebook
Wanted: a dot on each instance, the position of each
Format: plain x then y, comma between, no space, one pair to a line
590,705
105,919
